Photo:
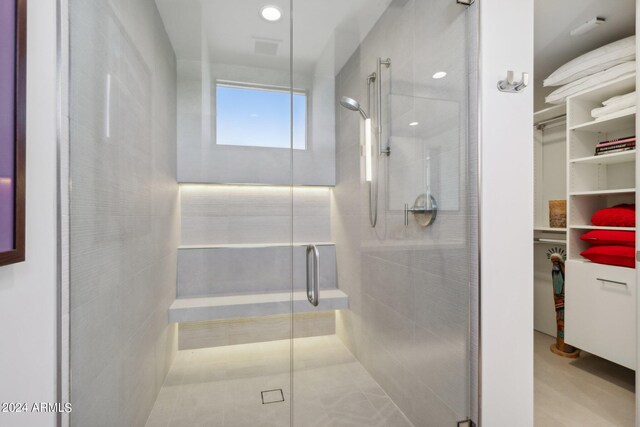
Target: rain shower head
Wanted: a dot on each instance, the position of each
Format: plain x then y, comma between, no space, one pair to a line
353,105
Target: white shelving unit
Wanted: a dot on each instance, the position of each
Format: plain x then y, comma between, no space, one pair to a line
600,306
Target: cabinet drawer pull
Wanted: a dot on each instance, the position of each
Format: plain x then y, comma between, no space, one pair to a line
611,281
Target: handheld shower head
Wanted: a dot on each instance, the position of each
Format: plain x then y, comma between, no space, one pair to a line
353,105
350,103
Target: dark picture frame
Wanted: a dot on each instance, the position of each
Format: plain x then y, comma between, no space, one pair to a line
13,79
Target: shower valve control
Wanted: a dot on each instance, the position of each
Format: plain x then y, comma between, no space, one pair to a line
424,210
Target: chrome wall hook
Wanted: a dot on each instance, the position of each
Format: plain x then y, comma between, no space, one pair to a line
510,85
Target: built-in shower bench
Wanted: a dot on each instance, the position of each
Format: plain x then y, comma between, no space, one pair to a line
253,305
251,280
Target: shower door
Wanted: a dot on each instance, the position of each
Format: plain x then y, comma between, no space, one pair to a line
244,247
402,353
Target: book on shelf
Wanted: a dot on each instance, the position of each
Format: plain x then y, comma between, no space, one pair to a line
615,146
616,150
616,141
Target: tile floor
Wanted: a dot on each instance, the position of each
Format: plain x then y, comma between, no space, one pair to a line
588,391
222,387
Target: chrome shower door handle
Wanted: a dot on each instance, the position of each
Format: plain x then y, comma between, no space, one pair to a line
313,275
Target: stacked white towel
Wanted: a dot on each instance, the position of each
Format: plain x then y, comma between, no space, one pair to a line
615,105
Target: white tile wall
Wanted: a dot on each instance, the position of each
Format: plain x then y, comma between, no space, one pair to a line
254,330
124,228
409,288
223,270
245,214
232,214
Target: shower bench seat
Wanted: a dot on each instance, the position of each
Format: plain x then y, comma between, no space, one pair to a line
253,305
217,282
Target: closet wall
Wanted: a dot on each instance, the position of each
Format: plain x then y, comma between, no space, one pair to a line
550,183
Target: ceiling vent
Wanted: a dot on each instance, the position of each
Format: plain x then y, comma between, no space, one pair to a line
266,46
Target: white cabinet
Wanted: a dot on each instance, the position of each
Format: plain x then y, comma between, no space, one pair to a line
600,310
600,305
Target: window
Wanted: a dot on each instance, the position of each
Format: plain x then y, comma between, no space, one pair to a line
258,116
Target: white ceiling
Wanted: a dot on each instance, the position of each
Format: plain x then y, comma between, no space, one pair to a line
231,29
554,19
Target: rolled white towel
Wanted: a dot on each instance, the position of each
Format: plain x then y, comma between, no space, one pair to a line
615,104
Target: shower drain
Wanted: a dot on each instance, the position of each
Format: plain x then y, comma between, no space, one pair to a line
272,396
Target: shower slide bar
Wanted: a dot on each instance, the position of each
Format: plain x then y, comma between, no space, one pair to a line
313,275
382,152
386,62
371,173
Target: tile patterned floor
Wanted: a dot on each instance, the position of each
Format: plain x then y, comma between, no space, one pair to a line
585,392
222,387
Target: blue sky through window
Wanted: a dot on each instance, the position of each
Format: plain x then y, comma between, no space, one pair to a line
257,117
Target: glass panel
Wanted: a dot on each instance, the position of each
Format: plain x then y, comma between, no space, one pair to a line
181,265
399,354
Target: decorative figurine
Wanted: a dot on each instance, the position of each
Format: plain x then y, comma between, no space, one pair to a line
557,257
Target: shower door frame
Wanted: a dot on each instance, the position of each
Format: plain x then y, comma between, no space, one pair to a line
63,371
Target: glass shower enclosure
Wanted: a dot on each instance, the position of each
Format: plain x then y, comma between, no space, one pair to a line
273,217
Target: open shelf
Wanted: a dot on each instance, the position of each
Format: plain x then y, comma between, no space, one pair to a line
608,159
603,192
612,123
580,106
550,113
599,227
550,229
604,91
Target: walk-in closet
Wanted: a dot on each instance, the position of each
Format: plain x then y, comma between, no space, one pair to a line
584,210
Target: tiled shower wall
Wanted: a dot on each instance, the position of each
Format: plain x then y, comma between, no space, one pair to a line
231,215
124,223
410,288
244,214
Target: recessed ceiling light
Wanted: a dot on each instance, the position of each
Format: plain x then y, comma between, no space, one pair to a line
414,123
440,75
271,13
